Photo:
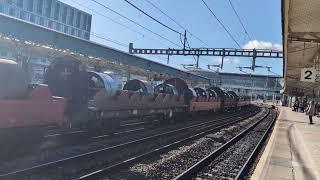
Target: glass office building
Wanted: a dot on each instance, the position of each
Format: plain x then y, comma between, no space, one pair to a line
52,14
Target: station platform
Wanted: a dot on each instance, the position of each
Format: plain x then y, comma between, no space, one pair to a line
293,150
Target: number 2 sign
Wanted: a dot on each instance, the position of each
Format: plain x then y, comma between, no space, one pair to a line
308,75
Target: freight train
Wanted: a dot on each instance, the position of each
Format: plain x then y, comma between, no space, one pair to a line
94,100
25,110
75,97
23,105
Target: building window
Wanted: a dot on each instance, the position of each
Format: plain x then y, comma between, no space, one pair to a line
65,30
4,53
56,11
41,21
1,8
32,18
22,15
30,6
45,22
12,12
78,19
89,23
50,24
39,7
79,33
84,23
71,17
49,5
58,27
20,3
37,19
64,14
9,1
87,35
72,31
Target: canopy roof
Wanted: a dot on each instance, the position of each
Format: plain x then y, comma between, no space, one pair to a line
26,36
301,37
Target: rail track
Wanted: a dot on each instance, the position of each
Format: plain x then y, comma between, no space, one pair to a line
233,159
108,171
60,147
150,164
89,162
125,127
128,128
56,132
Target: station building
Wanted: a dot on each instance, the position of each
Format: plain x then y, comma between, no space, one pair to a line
257,86
51,14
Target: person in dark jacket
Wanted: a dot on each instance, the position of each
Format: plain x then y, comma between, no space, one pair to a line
305,105
295,106
311,111
301,107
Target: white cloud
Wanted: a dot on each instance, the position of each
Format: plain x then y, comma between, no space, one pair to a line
231,60
235,60
228,60
216,60
262,45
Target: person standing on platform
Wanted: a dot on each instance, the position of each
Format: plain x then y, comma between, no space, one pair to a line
301,106
317,106
305,105
295,106
311,111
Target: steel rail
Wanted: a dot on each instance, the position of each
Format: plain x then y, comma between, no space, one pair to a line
58,132
85,137
245,168
61,162
193,170
213,128
122,127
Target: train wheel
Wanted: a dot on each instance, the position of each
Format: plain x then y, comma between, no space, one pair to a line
102,126
94,124
16,138
112,125
177,117
153,120
67,121
167,118
91,128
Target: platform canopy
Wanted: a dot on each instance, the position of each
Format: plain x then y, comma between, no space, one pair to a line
301,38
29,37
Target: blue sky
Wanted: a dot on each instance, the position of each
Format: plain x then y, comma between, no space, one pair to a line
262,19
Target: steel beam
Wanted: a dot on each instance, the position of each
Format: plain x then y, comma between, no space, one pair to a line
254,53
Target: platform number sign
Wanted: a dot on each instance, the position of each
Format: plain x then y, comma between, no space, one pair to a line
308,75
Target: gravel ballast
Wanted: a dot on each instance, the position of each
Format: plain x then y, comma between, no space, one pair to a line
171,164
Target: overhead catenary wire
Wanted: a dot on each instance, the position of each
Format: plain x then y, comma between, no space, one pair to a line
161,23
274,73
109,39
107,17
190,48
116,22
136,23
139,9
176,22
240,21
221,23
